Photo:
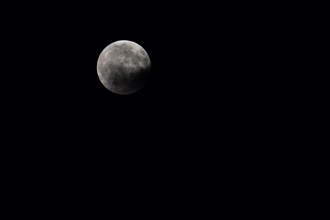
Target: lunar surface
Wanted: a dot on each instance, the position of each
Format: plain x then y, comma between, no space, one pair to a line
123,67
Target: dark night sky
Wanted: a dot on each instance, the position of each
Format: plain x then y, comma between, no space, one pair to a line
214,130
211,121
212,74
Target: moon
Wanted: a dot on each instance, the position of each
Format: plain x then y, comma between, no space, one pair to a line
123,67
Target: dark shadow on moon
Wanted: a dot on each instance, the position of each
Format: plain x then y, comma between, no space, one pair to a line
124,84
119,82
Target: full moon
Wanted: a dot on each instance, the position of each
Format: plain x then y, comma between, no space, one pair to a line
123,67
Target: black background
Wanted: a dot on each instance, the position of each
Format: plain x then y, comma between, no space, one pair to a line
218,74
219,80
212,130
214,111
